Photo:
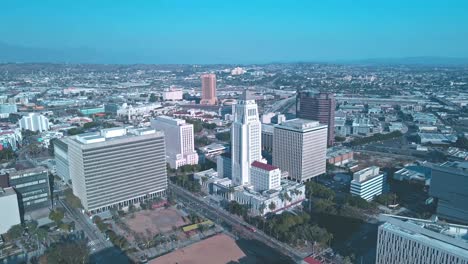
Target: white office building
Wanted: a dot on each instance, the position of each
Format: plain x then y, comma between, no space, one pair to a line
300,148
172,94
7,109
402,240
180,147
117,167
34,122
9,209
264,176
288,195
368,183
246,139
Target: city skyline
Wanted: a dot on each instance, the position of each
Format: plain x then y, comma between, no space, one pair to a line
109,32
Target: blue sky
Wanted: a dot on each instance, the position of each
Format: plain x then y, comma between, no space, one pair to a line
239,31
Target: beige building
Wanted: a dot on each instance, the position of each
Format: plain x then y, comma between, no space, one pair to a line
300,148
180,146
208,89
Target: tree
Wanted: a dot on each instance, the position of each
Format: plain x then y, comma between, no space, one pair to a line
462,142
14,232
41,233
152,98
262,208
56,215
75,131
224,136
202,141
272,206
6,154
90,125
71,199
51,146
66,252
317,190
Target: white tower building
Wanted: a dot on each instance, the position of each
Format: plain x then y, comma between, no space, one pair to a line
180,147
246,139
34,122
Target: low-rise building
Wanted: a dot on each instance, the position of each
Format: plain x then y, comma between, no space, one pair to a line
172,94
339,156
32,186
264,176
424,118
415,172
213,149
224,165
7,109
34,122
368,183
435,138
10,138
288,195
9,209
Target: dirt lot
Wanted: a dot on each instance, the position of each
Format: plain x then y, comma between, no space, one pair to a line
381,160
217,249
148,223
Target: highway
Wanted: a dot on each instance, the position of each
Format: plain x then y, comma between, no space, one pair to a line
216,214
281,105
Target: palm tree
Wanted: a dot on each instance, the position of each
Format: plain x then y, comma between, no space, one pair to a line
262,208
272,206
230,191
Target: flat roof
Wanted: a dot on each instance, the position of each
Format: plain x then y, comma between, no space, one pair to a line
301,125
93,138
264,166
7,191
449,237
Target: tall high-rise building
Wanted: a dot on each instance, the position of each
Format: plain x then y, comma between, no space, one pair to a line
319,107
300,148
208,89
180,148
34,122
117,167
246,142
417,241
61,158
449,184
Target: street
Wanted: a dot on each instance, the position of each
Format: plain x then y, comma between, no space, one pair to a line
217,214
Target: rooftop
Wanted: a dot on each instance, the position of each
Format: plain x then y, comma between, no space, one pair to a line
38,169
366,174
7,191
451,237
112,134
263,166
301,125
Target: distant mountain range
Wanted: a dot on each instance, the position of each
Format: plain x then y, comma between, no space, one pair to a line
21,54
429,60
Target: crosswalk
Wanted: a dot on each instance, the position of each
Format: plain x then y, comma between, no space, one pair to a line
92,243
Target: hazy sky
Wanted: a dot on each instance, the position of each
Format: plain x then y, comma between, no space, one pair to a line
225,31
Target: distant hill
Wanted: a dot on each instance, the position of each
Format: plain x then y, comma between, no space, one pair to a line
15,53
429,61
22,54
